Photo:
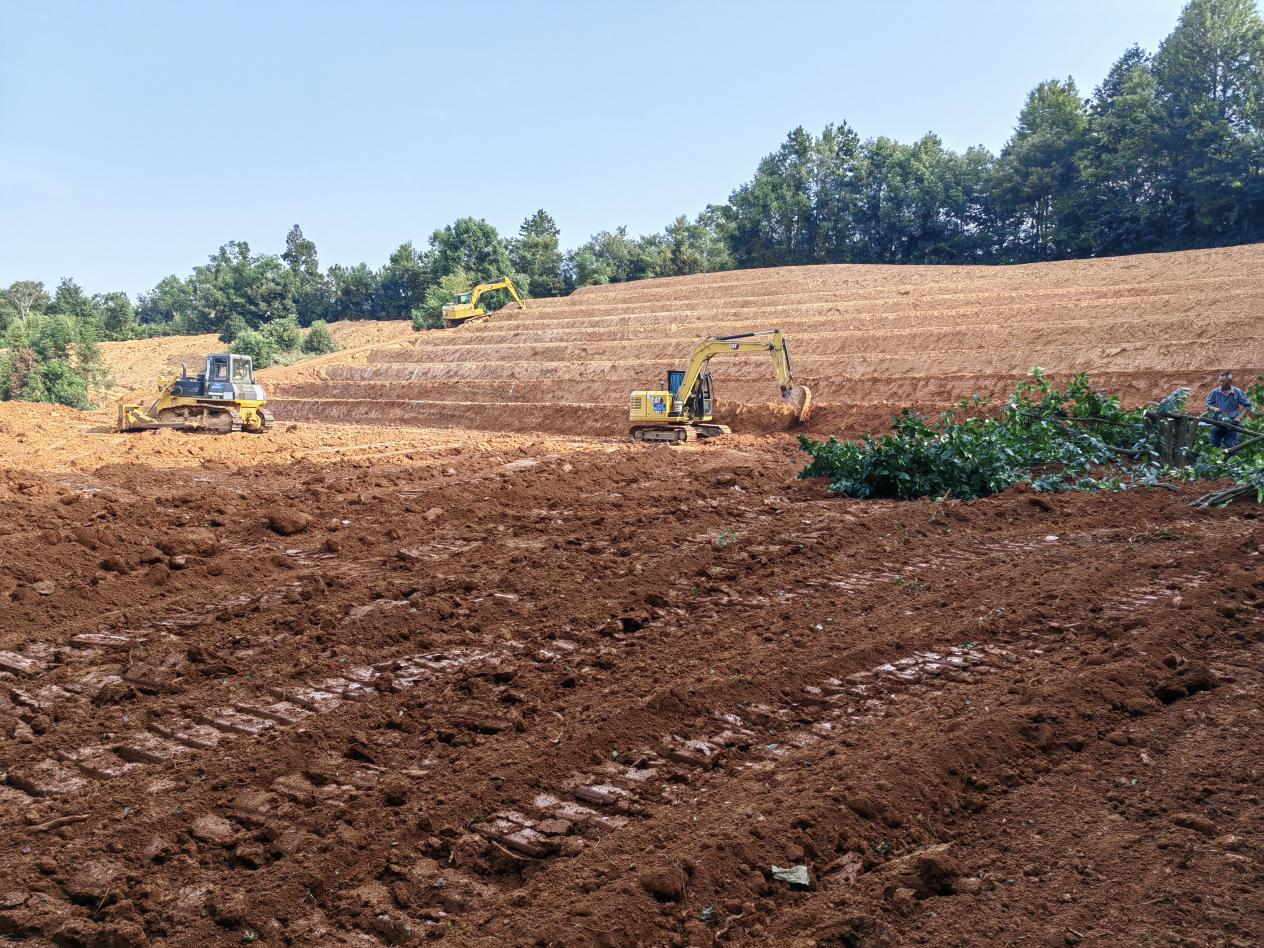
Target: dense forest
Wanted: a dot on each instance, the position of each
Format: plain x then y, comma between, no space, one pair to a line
1166,154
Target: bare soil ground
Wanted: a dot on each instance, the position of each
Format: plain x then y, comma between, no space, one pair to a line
866,339
372,684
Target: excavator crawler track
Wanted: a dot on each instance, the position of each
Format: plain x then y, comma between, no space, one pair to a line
676,434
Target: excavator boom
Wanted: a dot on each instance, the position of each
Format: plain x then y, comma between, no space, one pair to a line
462,310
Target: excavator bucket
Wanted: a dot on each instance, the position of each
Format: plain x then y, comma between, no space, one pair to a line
800,396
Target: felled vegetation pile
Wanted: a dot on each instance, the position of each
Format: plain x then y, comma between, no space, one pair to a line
1052,438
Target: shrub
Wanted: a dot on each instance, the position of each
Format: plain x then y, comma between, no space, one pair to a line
319,340
258,346
285,334
51,359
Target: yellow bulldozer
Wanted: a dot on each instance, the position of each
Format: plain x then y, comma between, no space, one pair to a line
464,307
682,410
222,399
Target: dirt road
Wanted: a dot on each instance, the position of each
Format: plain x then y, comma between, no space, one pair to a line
347,685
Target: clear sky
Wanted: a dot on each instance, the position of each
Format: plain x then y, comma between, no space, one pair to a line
136,137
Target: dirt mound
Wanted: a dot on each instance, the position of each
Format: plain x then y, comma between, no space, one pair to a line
867,339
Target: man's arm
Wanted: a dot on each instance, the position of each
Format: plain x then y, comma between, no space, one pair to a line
1210,397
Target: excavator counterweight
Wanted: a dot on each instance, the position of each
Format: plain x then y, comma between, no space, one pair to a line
683,410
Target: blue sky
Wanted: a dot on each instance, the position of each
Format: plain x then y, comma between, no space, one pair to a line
136,137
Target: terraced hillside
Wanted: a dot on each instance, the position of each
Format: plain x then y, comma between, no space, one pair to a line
864,338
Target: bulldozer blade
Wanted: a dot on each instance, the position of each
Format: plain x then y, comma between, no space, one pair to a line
800,396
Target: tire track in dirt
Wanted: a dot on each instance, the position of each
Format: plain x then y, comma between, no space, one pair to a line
583,810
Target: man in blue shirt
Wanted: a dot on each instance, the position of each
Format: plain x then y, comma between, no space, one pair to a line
1228,402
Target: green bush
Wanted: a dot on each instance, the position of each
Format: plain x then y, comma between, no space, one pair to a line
319,340
969,456
285,334
52,359
55,382
258,346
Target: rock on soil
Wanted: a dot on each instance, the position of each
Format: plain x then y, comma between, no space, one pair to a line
288,522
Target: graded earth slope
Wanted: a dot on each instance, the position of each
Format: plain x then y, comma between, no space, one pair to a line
136,364
866,339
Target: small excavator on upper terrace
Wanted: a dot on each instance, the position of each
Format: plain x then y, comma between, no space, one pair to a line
682,411
464,307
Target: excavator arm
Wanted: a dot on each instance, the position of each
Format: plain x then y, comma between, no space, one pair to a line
505,284
771,341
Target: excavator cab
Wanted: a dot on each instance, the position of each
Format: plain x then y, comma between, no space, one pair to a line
698,405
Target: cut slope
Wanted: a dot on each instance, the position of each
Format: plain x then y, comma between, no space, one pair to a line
865,338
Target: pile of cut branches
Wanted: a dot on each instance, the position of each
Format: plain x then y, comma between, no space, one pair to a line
1052,438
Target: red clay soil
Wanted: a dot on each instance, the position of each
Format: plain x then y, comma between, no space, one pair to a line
866,339
359,686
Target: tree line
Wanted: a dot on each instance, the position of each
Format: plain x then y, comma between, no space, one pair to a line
1166,154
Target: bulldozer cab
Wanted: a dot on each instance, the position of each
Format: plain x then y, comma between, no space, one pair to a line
229,376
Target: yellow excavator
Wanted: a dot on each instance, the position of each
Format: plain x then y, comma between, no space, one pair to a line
682,411
464,307
223,398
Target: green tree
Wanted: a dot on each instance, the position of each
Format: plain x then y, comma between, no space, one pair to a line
697,247
472,245
1125,198
319,340
234,326
169,304
51,358
27,297
357,292
256,287
312,291
117,316
403,282
1209,75
537,253
69,299
1037,171
614,257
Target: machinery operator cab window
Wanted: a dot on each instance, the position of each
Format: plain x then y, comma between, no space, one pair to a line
242,374
219,370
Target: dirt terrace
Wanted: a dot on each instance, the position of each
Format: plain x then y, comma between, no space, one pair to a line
867,339
359,685
135,365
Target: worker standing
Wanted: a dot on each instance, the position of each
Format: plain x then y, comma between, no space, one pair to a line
1226,403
